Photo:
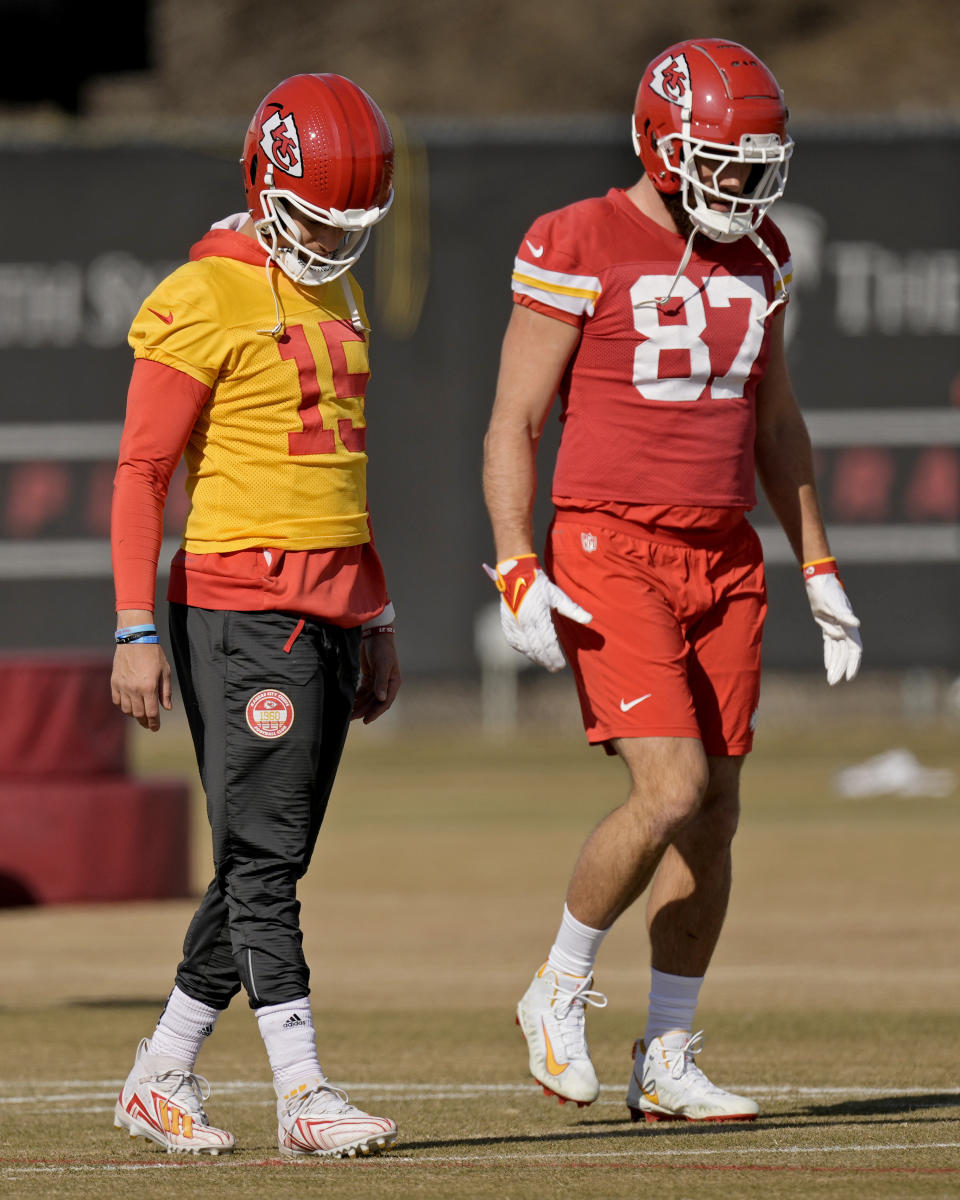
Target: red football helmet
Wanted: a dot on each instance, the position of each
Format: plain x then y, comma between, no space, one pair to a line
710,101
317,148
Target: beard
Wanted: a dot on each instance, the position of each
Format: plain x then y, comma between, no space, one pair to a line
673,202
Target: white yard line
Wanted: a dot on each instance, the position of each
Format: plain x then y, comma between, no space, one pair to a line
640,1154
105,1090
735,1152
611,1093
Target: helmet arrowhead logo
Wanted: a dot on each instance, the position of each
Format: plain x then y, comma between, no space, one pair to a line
671,79
280,142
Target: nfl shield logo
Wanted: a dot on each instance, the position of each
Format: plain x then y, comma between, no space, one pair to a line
589,542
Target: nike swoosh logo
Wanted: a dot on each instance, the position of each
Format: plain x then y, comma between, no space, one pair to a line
536,251
651,1095
167,320
625,706
553,1066
515,603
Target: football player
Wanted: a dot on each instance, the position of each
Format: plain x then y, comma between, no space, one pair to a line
657,312
251,360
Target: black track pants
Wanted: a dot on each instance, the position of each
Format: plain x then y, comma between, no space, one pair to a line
268,698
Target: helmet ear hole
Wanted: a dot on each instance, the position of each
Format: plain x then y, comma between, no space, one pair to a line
253,169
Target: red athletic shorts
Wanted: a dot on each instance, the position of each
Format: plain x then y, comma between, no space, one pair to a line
674,646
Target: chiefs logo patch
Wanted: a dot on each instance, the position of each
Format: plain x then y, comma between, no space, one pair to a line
270,713
280,142
671,79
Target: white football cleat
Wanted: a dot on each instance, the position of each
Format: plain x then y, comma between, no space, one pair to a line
667,1085
162,1102
319,1120
552,1017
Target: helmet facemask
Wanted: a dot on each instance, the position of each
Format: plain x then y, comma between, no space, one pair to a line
278,234
768,157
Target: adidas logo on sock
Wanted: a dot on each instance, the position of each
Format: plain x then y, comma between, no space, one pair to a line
206,1031
293,1022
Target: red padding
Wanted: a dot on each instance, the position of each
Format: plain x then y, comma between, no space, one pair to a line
58,716
93,840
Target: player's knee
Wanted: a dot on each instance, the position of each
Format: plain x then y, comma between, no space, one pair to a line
669,807
717,819
686,803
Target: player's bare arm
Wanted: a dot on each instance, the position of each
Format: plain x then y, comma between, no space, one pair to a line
785,469
536,350
140,682
784,458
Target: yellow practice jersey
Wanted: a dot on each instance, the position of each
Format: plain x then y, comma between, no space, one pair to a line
277,456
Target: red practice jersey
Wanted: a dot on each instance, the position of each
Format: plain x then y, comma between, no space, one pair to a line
658,401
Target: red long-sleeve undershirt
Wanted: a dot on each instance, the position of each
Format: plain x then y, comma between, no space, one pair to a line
163,405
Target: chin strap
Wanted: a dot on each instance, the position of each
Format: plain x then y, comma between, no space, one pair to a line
779,290
779,293
279,327
659,301
355,319
271,250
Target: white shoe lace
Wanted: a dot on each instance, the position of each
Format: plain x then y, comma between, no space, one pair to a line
322,1100
569,1009
194,1088
681,1064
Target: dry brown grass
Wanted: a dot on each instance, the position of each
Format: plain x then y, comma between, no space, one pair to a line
434,894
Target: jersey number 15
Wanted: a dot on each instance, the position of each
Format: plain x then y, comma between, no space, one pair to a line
316,438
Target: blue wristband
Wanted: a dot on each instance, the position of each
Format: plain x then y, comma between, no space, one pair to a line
139,639
136,633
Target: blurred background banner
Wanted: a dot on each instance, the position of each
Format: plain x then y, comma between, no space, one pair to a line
873,342
119,153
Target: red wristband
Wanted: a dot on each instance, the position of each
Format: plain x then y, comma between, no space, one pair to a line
820,566
514,583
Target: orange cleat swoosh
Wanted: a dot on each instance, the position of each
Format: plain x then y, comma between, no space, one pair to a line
652,1096
554,1067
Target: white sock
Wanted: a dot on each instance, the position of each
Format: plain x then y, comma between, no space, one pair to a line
673,1002
183,1027
575,950
288,1034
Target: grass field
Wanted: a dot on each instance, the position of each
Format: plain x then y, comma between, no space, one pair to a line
435,893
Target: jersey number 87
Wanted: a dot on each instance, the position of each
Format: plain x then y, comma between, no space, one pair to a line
719,290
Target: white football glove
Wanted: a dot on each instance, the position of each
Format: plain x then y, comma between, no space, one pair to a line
842,647
527,598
